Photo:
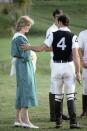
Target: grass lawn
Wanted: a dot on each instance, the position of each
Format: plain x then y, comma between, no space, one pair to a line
40,114
41,12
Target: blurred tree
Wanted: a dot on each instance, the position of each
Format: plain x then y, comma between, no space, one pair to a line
14,10
22,5
18,8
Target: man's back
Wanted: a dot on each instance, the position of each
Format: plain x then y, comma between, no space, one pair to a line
62,45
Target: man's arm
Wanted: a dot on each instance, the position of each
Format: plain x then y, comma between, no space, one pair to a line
48,49
81,55
38,48
76,59
84,63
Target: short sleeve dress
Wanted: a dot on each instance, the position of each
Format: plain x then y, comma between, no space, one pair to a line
25,76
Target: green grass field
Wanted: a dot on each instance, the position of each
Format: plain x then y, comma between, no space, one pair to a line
41,12
40,114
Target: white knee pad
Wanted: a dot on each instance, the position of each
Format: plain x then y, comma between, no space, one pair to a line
59,97
70,96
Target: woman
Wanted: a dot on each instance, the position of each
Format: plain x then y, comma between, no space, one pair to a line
26,89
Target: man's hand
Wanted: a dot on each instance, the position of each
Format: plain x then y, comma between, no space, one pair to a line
84,64
78,77
25,46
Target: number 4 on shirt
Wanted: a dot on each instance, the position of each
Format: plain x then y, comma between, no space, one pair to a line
61,43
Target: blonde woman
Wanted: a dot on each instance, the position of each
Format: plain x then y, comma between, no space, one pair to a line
26,88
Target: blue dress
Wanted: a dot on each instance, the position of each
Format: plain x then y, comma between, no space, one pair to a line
26,87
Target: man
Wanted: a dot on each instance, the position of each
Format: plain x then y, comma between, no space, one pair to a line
83,52
51,29
65,51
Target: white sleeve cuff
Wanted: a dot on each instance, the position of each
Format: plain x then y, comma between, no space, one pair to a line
75,42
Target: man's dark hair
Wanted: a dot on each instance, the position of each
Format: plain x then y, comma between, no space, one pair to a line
57,12
64,19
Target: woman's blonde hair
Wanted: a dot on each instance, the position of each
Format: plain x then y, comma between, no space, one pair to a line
24,21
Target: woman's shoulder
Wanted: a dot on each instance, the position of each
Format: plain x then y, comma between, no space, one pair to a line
19,36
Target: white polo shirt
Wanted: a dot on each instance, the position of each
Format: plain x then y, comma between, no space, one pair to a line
48,41
82,40
51,29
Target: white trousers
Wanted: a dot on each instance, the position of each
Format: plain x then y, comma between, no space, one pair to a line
51,85
84,78
63,76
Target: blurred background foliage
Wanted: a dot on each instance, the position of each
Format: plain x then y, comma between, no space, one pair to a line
9,13
41,12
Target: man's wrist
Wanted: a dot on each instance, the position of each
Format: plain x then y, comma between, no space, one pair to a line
77,73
